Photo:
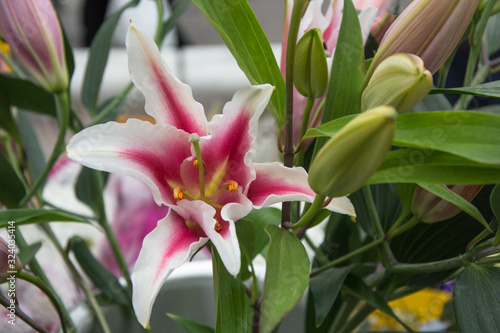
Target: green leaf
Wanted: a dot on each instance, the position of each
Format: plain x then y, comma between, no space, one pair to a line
27,95
490,89
260,218
100,276
287,277
246,237
433,103
98,57
473,135
11,188
493,34
190,326
325,288
432,167
28,216
6,120
475,299
239,28
446,194
495,201
31,143
359,289
177,10
87,187
343,96
27,254
232,306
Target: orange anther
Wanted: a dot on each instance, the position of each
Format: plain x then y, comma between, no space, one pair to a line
195,163
232,187
178,194
218,226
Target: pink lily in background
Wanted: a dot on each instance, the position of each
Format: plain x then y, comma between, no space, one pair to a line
32,30
201,170
329,23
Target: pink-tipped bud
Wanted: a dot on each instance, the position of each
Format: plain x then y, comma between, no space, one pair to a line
9,262
32,30
429,29
430,208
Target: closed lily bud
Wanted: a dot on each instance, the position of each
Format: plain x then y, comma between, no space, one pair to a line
32,30
429,29
310,74
400,81
9,262
430,208
353,154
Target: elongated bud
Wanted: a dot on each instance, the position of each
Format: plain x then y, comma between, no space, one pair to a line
430,208
400,81
352,155
429,29
381,25
310,74
9,262
32,30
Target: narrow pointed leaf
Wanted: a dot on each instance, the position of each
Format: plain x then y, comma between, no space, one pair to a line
11,188
357,287
343,96
6,120
325,288
98,57
490,89
239,28
27,95
450,196
475,299
287,277
495,201
28,216
473,135
432,167
190,326
100,276
232,306
31,143
27,254
177,10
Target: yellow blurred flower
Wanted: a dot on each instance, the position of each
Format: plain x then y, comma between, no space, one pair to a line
4,48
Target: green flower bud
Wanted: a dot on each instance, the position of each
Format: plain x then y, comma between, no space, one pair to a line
310,74
430,208
353,154
400,80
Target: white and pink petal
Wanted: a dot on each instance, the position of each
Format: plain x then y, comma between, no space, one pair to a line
150,153
168,100
166,248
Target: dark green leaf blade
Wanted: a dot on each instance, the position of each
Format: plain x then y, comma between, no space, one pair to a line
233,312
287,277
490,89
98,57
476,299
27,95
260,218
190,326
343,96
11,188
28,216
239,28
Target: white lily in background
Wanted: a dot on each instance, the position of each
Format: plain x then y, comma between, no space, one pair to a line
202,170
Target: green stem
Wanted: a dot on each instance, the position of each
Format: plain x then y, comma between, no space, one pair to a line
112,105
395,231
299,6
442,265
94,305
160,11
37,269
47,291
357,319
62,109
386,253
305,122
316,206
23,316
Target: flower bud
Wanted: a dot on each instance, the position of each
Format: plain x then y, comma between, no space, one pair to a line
430,208
310,74
32,30
353,154
400,80
9,262
429,29
381,25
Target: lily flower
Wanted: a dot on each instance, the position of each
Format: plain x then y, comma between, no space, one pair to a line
201,170
329,24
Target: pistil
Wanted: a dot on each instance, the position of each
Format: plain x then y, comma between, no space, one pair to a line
194,139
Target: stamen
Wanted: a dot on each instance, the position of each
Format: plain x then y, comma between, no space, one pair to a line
233,186
194,139
195,165
178,193
218,226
